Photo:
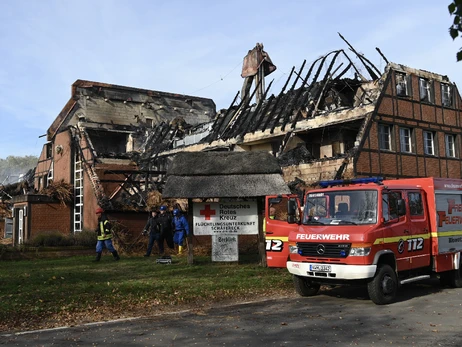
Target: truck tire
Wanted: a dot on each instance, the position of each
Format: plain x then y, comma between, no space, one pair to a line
383,287
304,286
456,276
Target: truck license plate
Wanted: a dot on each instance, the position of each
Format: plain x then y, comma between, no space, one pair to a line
320,268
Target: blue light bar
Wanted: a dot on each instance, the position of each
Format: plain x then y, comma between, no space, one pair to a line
325,184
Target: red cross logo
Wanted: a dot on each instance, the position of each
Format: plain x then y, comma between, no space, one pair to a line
207,212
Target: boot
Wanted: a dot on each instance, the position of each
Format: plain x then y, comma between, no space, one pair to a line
98,256
180,249
115,255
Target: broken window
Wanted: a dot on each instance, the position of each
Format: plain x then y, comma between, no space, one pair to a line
49,150
150,122
385,136
49,179
450,140
402,84
446,95
107,142
429,142
426,90
405,140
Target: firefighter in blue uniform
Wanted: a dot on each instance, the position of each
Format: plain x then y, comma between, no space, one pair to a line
181,229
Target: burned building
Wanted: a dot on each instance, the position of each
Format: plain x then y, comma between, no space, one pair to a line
341,117
337,117
96,145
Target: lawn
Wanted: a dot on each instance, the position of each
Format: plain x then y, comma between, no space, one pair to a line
67,291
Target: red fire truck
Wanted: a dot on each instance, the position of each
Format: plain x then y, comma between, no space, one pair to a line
380,233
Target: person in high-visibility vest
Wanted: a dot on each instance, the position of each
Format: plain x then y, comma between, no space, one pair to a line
104,235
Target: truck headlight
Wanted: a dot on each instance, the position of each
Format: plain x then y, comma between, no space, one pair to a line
360,251
293,249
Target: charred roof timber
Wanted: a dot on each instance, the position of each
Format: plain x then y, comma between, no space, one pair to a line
325,90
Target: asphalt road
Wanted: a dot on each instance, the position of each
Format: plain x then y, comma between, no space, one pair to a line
424,315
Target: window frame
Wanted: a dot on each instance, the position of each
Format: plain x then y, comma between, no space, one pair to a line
433,144
450,147
389,137
428,88
401,78
449,95
408,143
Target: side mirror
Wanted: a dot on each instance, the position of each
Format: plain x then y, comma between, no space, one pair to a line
292,211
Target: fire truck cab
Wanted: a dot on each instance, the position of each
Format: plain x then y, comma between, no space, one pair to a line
380,233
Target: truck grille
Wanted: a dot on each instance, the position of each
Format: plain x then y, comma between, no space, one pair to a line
326,250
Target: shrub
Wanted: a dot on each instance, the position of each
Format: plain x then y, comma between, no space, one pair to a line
85,238
56,239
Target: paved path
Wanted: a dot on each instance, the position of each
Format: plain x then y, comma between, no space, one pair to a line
425,315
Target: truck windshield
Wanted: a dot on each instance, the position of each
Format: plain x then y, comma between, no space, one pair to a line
341,207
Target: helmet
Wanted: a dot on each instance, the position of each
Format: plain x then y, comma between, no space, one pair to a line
176,212
163,208
99,210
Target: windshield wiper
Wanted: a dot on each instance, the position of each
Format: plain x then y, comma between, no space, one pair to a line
347,222
313,222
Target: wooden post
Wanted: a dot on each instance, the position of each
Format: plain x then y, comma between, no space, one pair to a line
189,238
261,236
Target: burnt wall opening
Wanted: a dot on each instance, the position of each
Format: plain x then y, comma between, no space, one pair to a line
108,143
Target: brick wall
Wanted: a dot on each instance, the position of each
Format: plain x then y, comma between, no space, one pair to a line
419,116
49,217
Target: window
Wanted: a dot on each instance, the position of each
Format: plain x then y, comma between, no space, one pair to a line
390,205
49,150
429,142
426,88
50,175
402,88
385,136
405,140
150,122
446,95
450,145
415,204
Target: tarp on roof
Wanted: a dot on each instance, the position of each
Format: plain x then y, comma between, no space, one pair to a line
224,174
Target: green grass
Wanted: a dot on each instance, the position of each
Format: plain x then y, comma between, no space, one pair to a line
66,291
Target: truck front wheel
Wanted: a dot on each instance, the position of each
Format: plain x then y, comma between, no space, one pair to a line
383,287
304,286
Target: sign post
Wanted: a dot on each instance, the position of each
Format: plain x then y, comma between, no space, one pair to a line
224,221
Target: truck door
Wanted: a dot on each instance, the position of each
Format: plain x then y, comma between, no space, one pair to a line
277,229
418,245
396,228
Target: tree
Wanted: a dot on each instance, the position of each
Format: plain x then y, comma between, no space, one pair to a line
455,9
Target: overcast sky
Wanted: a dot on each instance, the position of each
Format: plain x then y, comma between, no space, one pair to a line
192,47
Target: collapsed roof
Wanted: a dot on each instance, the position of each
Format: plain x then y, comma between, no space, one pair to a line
332,87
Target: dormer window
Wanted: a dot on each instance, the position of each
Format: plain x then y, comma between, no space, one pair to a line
446,94
402,85
426,90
